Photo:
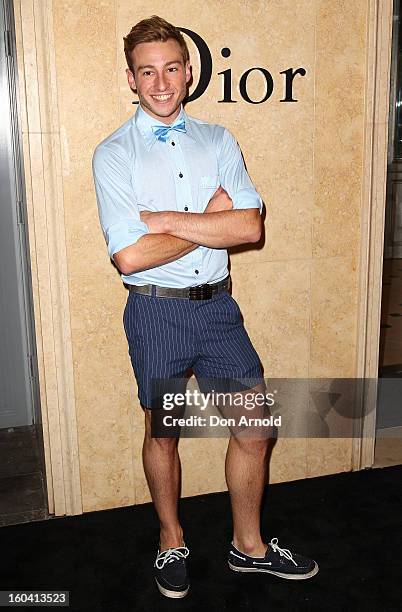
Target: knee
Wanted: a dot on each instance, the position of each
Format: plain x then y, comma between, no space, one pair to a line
165,445
162,443
252,446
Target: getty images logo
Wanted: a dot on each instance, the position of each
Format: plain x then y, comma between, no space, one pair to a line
227,85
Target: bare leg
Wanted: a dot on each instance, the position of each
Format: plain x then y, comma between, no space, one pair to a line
245,476
163,473
245,469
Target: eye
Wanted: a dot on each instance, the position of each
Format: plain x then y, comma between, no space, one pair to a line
172,69
147,72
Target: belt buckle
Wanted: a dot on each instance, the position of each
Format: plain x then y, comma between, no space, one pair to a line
200,292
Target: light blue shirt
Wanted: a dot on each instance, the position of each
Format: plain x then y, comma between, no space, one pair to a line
133,171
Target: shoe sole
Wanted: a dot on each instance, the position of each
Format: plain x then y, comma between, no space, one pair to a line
171,594
313,572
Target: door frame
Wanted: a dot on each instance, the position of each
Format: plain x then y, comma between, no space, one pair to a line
41,137
376,114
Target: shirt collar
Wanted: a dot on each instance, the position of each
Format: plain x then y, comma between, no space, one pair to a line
145,122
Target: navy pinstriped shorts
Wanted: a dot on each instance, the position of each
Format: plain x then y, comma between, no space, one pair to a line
167,336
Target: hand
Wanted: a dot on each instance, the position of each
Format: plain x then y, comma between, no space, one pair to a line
219,201
155,221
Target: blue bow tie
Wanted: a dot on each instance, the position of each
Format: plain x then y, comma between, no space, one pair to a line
161,133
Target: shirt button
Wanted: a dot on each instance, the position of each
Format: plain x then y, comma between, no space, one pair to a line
173,144
186,208
181,176
197,271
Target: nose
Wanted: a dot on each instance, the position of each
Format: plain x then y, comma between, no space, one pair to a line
161,82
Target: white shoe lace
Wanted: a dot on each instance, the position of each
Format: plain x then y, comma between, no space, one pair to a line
284,552
170,555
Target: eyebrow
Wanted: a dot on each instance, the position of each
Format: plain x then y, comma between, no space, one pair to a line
167,64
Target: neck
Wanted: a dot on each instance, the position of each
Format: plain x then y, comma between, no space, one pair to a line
165,120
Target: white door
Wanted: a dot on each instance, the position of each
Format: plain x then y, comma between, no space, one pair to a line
18,375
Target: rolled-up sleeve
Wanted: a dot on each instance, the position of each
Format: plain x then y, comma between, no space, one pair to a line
118,210
233,174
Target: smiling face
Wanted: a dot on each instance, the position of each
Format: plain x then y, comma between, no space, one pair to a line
160,78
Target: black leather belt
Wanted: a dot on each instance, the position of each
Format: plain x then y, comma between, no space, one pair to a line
199,292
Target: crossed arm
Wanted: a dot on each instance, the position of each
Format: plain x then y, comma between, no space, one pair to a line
174,234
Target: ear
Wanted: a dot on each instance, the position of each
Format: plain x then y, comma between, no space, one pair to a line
131,79
188,71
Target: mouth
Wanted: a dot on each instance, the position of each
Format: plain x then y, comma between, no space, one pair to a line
162,97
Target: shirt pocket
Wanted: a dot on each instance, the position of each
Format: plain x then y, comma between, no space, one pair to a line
208,185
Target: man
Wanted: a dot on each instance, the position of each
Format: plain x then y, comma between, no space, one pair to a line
173,194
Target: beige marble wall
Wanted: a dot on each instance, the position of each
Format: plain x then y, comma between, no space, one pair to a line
297,290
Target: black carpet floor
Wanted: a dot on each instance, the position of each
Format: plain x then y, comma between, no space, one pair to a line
349,523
